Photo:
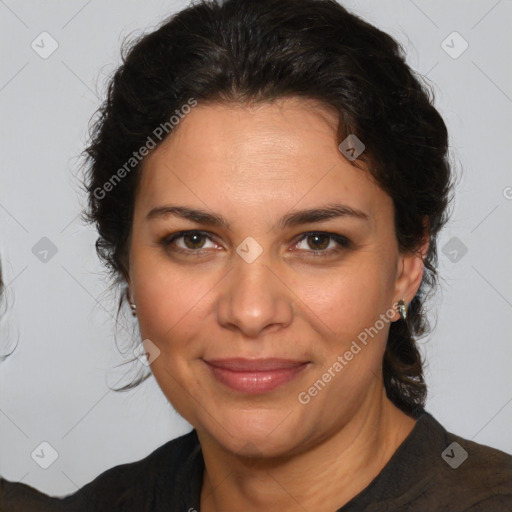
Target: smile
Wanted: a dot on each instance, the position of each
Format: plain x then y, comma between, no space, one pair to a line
255,376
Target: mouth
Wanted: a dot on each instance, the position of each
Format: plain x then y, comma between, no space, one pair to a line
255,376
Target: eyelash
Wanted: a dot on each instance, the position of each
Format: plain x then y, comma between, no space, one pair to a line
343,242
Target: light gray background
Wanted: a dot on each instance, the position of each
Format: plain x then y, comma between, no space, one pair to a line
54,387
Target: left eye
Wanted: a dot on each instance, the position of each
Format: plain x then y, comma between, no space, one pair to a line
321,242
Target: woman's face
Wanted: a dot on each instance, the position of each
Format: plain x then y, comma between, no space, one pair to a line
267,336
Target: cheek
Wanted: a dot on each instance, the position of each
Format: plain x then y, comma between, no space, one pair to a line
351,306
169,299
171,308
348,299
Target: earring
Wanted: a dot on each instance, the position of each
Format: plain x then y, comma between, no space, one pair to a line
134,309
402,309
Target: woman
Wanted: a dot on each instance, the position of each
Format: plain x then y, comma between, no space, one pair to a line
268,180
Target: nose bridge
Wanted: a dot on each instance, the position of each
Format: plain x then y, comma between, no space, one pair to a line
254,297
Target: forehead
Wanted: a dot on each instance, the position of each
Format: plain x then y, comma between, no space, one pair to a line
257,156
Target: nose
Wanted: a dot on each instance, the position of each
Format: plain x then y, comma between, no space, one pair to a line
254,298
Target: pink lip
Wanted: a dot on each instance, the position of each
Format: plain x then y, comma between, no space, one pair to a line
255,376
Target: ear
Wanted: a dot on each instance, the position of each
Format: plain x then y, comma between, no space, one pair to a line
410,271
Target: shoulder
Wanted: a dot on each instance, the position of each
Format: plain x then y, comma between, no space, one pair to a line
127,486
466,475
19,497
484,476
170,455
434,469
132,486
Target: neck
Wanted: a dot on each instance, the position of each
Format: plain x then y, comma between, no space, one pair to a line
324,477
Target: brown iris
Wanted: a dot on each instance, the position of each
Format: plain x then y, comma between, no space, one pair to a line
316,238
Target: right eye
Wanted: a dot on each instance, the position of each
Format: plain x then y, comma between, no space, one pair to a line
192,241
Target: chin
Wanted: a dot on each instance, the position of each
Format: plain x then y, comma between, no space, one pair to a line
256,432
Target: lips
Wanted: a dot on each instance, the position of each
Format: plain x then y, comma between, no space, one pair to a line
254,376
254,365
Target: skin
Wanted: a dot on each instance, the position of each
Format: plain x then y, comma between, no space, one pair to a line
252,165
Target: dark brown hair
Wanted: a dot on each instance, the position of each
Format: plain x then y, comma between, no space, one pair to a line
258,51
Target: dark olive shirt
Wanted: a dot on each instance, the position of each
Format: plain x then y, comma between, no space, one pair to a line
432,470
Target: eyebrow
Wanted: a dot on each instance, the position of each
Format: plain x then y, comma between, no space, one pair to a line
292,219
